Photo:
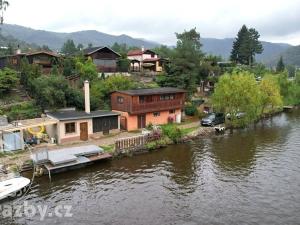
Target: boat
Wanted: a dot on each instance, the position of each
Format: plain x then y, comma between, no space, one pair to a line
13,187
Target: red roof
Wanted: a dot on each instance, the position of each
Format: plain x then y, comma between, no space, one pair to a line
139,52
135,52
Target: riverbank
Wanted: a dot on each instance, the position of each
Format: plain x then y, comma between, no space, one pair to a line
20,160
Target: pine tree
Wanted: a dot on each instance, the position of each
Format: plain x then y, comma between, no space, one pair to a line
280,65
245,46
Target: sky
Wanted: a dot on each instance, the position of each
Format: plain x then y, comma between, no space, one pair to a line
158,20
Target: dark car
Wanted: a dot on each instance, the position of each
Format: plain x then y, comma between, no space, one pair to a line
213,119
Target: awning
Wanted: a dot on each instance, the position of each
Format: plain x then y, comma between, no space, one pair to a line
25,124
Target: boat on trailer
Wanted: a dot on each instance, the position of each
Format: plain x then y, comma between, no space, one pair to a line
13,187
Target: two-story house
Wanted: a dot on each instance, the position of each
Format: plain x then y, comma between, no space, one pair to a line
141,107
145,60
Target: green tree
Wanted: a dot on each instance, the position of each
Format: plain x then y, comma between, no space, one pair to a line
280,65
29,72
101,89
87,69
8,80
270,93
50,91
163,51
245,46
69,48
185,59
237,92
69,66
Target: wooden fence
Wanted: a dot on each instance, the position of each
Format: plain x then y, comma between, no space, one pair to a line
134,143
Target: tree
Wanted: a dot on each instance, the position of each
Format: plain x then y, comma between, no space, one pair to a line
69,48
49,91
45,48
8,80
270,93
101,89
163,51
237,92
29,72
185,59
280,65
245,46
87,69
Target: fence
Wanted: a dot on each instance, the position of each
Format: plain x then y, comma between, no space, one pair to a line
136,142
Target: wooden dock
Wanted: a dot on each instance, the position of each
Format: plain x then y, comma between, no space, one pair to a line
61,160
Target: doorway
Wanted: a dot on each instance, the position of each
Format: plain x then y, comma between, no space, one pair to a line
84,131
141,121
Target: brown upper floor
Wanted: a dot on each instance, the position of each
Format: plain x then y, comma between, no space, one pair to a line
148,100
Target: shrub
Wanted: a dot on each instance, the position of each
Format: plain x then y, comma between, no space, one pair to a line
172,132
25,110
8,79
191,110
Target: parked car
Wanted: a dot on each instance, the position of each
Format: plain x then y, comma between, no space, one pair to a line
238,115
213,119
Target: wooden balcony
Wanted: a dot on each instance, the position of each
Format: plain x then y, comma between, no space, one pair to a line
156,106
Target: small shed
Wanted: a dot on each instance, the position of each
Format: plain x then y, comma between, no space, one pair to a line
80,125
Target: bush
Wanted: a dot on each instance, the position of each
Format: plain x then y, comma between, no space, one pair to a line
25,110
191,110
172,132
8,80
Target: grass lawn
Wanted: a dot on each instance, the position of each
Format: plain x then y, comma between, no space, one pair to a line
108,148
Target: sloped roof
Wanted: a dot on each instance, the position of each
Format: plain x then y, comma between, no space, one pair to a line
76,115
152,91
43,52
139,52
89,51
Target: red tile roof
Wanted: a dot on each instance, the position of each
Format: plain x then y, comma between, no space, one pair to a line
135,52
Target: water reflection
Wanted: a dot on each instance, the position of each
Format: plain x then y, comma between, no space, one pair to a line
251,175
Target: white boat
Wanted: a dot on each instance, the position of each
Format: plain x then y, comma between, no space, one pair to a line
11,187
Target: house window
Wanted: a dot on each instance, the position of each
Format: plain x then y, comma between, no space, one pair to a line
70,128
141,99
120,99
156,114
172,111
167,97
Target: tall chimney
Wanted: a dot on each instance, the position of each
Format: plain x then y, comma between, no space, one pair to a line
143,49
87,96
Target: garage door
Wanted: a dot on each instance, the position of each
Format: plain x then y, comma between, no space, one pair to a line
105,123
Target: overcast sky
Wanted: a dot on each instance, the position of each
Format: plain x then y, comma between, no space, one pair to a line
158,20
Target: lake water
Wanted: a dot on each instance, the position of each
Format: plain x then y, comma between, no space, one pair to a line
249,177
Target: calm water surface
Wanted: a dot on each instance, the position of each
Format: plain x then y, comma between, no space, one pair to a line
249,177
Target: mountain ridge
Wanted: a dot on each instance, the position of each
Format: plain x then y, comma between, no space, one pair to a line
55,40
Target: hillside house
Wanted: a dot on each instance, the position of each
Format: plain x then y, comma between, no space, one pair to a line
104,58
43,58
141,107
145,60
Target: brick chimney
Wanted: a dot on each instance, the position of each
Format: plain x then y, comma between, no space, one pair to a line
87,96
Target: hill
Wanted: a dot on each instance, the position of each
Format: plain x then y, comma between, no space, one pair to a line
55,40
290,56
223,47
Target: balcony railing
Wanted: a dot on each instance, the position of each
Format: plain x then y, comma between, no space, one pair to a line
156,106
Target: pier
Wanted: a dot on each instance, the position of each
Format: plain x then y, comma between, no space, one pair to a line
64,159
